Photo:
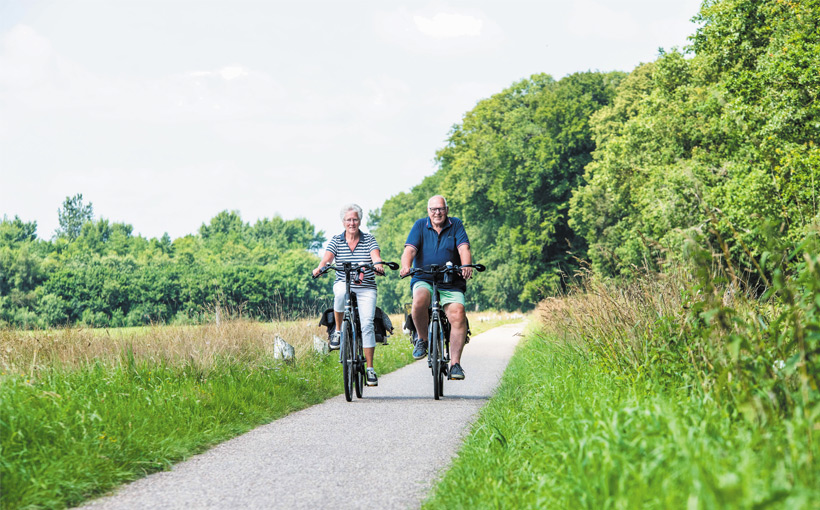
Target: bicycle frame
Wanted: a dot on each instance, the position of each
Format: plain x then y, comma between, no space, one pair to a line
438,353
351,312
351,352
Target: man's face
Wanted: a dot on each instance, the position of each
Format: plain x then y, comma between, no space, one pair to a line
437,211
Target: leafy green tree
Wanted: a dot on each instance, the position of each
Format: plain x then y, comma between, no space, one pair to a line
72,215
13,232
724,142
508,171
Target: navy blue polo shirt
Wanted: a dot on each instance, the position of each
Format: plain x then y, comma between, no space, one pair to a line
438,248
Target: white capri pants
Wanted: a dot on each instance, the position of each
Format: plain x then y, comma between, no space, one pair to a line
366,299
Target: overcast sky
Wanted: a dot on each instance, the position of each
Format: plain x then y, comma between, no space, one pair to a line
163,113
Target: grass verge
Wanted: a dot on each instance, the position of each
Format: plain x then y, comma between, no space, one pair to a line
566,432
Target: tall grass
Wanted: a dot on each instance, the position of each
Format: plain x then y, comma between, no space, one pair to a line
564,431
695,388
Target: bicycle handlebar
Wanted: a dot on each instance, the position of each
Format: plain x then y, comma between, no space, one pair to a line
435,269
356,266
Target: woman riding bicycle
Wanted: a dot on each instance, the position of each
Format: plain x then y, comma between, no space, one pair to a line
353,245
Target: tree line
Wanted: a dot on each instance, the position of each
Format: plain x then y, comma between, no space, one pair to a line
616,173
98,273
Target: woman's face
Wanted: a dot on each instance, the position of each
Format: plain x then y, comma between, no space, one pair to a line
351,222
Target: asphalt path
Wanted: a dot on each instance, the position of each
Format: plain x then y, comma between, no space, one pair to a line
382,451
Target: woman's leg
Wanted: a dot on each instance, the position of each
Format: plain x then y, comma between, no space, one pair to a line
338,306
367,311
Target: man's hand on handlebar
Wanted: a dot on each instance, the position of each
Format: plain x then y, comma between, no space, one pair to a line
404,271
467,272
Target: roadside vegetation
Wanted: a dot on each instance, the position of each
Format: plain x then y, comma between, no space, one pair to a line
668,392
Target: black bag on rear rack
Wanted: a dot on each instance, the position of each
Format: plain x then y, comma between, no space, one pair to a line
411,327
382,325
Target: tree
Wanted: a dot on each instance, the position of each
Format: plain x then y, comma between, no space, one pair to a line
72,216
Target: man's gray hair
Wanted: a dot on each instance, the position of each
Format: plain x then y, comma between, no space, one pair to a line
438,196
350,207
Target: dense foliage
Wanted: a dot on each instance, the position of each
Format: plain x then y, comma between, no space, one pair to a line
508,172
727,137
721,140
98,273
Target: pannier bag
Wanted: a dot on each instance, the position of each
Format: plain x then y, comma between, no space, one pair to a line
411,327
382,325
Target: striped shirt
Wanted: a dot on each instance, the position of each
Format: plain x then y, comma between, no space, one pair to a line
341,251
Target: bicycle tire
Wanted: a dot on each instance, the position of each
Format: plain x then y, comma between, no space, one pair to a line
435,358
359,364
442,372
347,360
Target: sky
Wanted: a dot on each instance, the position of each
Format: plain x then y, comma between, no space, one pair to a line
164,113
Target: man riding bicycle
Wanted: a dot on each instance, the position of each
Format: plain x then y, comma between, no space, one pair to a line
439,239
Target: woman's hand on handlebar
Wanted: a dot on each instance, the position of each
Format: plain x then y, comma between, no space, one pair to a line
319,271
378,266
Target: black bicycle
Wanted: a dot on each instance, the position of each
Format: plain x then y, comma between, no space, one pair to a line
351,352
438,352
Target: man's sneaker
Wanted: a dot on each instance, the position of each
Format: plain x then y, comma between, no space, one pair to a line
372,379
421,349
456,372
334,341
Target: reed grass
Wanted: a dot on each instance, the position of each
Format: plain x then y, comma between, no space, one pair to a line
688,389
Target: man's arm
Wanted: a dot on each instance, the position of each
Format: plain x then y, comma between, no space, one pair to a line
407,259
466,258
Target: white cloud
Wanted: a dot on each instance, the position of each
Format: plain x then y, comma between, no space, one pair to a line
445,25
226,73
439,32
589,18
36,78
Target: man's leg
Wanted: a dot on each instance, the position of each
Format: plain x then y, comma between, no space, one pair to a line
458,330
421,303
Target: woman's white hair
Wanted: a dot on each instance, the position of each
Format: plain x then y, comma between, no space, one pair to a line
350,207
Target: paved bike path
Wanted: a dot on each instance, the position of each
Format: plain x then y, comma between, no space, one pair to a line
381,451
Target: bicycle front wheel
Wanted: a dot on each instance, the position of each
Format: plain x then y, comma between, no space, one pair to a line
359,364
348,363
435,358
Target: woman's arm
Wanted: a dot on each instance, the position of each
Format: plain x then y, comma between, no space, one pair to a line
376,256
326,259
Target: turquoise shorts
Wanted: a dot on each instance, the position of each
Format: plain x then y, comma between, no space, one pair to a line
447,296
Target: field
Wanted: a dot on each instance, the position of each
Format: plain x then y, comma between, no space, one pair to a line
85,410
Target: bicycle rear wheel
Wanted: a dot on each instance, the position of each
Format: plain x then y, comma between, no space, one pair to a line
348,365
435,358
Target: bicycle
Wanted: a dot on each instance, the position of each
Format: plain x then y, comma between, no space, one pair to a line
351,352
438,337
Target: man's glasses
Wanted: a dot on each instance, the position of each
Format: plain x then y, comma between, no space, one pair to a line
435,210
